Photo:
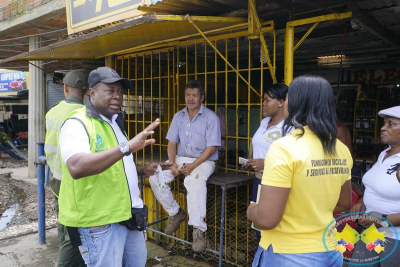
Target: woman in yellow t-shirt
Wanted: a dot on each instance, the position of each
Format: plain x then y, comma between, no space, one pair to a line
306,181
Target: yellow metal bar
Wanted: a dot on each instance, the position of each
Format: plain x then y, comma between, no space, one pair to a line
237,104
209,42
160,104
169,92
151,93
248,91
289,54
205,66
226,107
215,72
136,93
274,34
177,77
186,65
305,36
335,16
289,38
262,40
252,28
199,18
129,97
144,99
262,94
195,61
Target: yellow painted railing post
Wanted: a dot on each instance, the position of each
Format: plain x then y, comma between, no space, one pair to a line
254,16
289,54
289,38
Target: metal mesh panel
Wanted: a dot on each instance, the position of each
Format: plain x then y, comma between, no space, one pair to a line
239,242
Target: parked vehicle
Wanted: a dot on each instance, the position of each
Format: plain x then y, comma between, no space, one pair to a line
19,84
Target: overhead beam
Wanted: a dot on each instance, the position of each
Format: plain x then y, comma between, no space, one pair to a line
370,24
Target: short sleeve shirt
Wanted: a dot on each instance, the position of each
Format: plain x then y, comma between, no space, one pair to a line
315,180
382,190
264,137
193,137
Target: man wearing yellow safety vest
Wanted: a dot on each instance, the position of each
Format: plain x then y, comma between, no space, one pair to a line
75,86
99,196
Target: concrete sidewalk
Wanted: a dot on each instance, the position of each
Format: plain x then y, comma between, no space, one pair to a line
20,174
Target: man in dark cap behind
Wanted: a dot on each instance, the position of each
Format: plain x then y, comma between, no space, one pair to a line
75,86
99,192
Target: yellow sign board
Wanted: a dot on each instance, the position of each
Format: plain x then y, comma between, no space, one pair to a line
86,14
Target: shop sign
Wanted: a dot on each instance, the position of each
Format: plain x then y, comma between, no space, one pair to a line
376,76
85,14
13,81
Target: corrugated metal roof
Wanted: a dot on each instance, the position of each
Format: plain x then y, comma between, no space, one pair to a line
138,32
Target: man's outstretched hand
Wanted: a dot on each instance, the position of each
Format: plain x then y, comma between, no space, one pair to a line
140,140
151,168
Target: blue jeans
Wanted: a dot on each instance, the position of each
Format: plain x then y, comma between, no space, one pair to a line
112,245
318,259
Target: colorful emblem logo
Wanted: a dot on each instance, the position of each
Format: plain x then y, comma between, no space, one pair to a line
347,237
99,143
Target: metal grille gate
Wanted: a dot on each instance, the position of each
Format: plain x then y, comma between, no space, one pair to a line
159,78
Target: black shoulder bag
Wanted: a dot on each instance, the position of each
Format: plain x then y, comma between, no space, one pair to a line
138,220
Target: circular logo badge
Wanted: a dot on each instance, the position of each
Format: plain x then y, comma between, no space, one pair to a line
361,238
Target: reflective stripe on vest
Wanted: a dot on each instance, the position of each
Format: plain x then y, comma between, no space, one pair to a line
54,120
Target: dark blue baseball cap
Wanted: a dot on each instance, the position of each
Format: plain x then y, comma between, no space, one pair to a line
107,75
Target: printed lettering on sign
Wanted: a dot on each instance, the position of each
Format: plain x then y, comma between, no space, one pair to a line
13,81
376,76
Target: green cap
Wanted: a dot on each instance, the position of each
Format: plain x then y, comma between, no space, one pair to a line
76,79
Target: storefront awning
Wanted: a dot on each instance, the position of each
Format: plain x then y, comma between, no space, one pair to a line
139,32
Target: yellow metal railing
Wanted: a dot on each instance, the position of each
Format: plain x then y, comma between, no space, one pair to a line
233,74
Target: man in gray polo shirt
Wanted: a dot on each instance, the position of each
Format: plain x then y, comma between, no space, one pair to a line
196,130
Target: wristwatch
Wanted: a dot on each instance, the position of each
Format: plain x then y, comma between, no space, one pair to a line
384,223
124,148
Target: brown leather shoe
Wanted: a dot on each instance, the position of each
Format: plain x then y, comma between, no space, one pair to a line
174,222
198,240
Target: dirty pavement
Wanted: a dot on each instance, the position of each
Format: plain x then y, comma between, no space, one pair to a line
19,240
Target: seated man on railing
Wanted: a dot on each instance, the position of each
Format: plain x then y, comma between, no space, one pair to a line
196,130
